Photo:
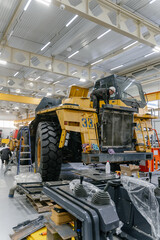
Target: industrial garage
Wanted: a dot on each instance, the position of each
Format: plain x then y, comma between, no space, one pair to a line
79,119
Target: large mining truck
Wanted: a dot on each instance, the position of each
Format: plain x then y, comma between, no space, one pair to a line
71,130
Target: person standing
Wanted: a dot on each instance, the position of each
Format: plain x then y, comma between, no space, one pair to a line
5,155
101,94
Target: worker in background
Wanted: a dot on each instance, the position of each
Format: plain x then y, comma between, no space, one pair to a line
5,155
101,94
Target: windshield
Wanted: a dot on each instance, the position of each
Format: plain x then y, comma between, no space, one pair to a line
130,91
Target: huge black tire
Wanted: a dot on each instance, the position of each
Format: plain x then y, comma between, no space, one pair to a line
25,135
48,155
75,145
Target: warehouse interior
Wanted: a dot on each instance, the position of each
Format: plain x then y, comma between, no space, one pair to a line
79,119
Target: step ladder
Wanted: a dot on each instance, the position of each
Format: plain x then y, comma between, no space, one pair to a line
21,153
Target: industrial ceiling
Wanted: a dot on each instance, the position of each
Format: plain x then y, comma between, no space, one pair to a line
46,46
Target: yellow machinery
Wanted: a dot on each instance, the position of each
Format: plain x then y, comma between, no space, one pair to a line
72,130
4,141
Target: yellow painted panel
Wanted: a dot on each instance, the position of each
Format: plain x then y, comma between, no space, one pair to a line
78,92
5,140
36,235
19,99
153,96
23,121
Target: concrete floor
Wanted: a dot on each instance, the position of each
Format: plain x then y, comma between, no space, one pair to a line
12,210
16,210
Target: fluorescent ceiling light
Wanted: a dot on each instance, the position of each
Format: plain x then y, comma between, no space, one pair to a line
18,90
152,1
74,73
73,54
129,85
103,34
16,108
116,67
49,94
56,82
27,5
97,61
10,34
16,74
82,80
1,88
58,91
72,85
156,49
37,78
45,46
31,84
45,2
130,45
71,20
149,54
7,111
3,62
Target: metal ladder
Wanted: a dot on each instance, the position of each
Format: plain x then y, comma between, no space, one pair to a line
20,158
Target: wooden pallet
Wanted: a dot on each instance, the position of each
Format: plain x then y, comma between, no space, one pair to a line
38,200
41,206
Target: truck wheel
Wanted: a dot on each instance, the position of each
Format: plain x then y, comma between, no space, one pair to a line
48,155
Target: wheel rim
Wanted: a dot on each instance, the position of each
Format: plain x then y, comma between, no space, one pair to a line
39,152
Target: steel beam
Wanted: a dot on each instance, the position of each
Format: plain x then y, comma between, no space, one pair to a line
19,99
126,23
24,84
153,96
13,19
23,121
49,64
140,67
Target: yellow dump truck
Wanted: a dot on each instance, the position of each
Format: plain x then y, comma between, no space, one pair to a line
72,130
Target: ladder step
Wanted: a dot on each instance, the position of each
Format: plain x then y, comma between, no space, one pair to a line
26,166
25,146
25,159
24,152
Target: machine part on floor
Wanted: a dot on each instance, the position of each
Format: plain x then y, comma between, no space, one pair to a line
56,127
22,232
12,191
101,198
89,188
137,208
64,231
96,174
118,158
143,198
12,162
97,221
47,152
79,189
